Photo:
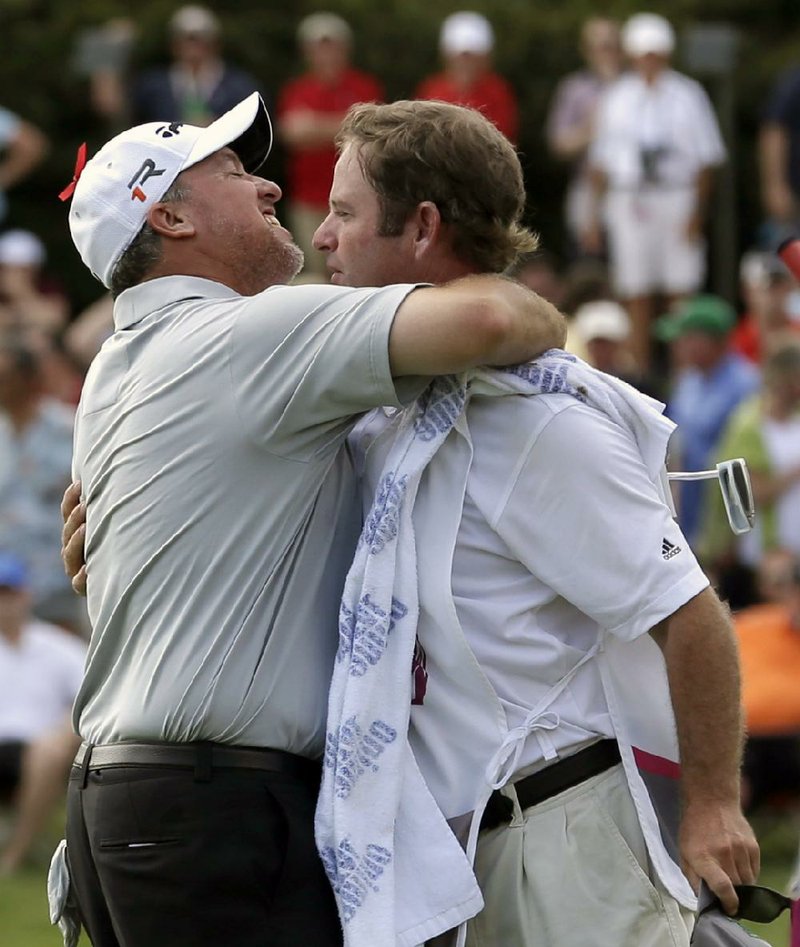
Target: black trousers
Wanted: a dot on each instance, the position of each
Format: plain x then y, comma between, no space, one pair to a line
158,859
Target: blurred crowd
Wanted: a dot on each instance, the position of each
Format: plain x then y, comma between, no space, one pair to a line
643,147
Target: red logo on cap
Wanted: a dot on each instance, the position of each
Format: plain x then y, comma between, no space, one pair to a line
146,171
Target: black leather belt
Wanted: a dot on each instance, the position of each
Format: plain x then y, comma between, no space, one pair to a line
550,781
200,757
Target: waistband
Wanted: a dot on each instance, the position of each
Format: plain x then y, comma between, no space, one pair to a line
203,758
552,780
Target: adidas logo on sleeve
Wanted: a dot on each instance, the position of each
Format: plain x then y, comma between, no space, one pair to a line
669,550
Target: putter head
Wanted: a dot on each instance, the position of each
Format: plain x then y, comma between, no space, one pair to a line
737,493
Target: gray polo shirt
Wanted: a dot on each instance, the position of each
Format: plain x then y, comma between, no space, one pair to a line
222,506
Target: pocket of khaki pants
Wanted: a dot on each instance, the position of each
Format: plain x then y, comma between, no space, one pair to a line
618,820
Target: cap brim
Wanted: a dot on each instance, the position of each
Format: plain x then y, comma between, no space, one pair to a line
246,129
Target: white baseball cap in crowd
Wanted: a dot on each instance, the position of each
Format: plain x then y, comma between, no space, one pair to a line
193,20
317,27
647,33
602,319
466,32
113,192
21,248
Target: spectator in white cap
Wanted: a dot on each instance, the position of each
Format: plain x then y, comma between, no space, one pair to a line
466,42
198,84
656,145
310,110
27,297
222,514
604,328
602,324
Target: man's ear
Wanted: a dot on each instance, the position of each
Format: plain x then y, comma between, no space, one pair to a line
427,222
171,219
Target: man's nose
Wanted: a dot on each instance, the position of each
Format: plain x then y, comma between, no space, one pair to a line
322,239
269,189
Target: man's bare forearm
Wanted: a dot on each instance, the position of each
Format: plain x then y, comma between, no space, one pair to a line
475,320
717,844
703,668
533,325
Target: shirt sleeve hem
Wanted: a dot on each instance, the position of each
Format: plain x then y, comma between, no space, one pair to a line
662,607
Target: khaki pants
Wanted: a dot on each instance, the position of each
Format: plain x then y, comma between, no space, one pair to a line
574,871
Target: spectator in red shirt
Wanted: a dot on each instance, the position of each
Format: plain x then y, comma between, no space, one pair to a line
310,110
466,42
770,296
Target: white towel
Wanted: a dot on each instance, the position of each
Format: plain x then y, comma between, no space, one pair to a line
399,875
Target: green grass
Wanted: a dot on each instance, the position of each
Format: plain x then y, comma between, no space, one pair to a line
23,911
778,836
24,919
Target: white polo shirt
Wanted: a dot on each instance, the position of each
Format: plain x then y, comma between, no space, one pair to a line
222,508
673,115
39,678
562,534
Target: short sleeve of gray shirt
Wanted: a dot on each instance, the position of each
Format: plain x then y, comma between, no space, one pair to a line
222,512
325,363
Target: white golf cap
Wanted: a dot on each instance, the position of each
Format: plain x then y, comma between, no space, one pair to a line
466,32
21,248
317,27
194,20
114,192
647,33
602,319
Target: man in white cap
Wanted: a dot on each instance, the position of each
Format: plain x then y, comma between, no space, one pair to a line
221,395
604,329
310,109
656,145
199,84
466,42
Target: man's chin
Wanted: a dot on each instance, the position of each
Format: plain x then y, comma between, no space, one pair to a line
299,259
293,260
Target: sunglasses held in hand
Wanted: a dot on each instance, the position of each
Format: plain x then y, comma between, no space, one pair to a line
714,928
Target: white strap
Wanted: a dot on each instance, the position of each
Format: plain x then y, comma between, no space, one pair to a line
504,763
539,721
